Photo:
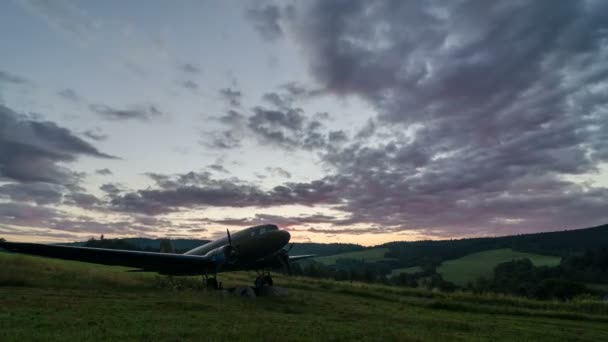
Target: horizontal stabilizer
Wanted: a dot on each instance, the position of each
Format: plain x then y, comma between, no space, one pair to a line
301,257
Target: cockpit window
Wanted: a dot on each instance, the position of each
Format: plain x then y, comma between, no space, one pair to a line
262,230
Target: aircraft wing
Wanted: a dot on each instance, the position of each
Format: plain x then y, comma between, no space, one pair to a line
164,263
301,257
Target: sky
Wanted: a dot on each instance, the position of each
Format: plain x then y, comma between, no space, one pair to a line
339,120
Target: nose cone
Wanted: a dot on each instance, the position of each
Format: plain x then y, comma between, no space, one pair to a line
282,237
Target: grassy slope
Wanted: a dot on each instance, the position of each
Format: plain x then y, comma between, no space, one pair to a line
397,271
45,299
472,266
369,255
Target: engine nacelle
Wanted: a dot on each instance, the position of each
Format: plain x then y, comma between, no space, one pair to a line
221,254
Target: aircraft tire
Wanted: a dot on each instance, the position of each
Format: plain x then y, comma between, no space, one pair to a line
268,280
212,283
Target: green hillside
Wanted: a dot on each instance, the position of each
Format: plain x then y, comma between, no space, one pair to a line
472,266
406,270
367,255
49,300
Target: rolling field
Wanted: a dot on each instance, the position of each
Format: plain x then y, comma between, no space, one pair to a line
408,270
472,266
43,299
368,255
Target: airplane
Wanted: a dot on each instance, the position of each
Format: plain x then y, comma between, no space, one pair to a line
254,248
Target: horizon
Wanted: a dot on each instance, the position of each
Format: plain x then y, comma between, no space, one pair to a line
362,245
430,122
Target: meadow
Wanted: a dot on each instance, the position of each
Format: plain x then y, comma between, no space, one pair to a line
367,255
50,300
472,266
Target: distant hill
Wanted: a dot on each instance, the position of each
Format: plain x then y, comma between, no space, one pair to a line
559,243
414,253
324,249
368,255
472,266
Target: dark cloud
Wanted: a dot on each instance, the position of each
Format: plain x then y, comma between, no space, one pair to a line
103,172
31,150
266,20
232,96
218,168
39,193
223,140
483,108
190,68
6,77
70,95
189,84
193,190
288,94
22,214
282,221
140,112
83,200
96,135
111,189
367,131
232,118
291,129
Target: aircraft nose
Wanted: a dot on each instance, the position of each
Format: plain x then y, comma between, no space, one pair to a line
282,237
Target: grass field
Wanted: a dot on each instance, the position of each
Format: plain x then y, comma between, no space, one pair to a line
368,255
42,299
472,266
409,270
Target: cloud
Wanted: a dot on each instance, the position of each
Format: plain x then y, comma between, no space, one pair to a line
70,95
218,168
467,124
193,190
83,200
103,172
223,140
291,129
6,77
31,150
190,68
111,189
189,84
232,96
21,214
266,20
277,171
138,112
39,193
96,135
288,94
282,221
64,17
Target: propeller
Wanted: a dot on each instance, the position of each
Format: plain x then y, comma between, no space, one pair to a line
233,251
285,259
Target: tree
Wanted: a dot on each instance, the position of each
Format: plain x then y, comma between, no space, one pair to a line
2,240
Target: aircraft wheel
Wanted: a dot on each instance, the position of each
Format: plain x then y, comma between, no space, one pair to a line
268,280
212,283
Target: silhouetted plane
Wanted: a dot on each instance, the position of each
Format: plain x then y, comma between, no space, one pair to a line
255,248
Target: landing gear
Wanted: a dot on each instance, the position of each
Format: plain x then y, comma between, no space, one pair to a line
262,280
212,283
268,279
